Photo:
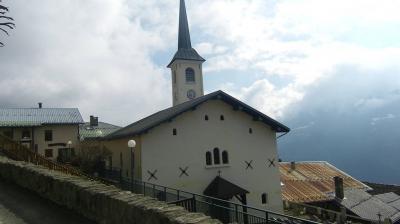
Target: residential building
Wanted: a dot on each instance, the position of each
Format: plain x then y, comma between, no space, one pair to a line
312,185
309,182
203,142
51,132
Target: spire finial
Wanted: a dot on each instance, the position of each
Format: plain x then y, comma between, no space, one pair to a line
184,34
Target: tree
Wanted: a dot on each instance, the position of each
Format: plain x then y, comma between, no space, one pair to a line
91,159
5,21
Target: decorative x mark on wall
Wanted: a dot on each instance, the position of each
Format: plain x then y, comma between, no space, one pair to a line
248,164
152,175
271,162
183,171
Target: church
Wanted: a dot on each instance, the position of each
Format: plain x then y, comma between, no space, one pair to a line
209,144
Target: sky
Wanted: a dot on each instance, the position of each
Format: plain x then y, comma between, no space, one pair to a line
327,69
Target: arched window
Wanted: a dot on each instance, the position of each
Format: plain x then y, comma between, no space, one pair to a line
206,117
250,130
216,156
264,198
174,132
222,117
225,157
190,77
208,158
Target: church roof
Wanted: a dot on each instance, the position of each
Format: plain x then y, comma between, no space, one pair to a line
185,50
223,189
145,124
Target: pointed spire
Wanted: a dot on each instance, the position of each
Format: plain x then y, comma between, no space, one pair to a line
185,50
184,34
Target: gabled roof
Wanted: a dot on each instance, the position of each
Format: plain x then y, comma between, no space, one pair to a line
223,189
86,131
29,117
313,181
185,50
368,206
156,119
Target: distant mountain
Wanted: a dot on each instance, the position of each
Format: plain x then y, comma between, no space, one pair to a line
353,125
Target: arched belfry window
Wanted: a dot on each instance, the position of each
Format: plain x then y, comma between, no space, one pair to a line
216,156
190,76
225,157
208,158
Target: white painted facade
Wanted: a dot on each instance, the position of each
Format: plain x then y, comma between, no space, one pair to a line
164,152
61,135
181,87
247,140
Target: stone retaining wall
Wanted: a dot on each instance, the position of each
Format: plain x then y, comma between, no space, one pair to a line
96,201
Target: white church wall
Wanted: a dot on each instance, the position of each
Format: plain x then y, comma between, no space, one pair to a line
165,152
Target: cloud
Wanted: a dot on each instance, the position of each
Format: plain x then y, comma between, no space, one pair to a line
91,55
375,120
101,56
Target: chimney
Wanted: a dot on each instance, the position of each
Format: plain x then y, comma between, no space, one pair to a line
40,105
94,121
339,191
293,165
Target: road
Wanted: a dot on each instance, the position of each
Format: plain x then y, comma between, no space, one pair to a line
19,206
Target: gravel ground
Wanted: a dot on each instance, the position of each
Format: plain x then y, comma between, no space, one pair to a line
19,206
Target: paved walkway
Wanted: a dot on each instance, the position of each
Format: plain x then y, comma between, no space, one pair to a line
19,206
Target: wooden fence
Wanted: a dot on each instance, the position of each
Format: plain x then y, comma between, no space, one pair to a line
17,151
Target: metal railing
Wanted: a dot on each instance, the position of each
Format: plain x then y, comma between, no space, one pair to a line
225,211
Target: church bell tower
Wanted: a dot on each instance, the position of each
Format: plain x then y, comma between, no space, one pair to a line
186,65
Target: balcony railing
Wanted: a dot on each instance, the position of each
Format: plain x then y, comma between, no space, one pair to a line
225,211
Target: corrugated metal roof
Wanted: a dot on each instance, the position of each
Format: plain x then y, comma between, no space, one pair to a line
313,181
395,204
368,206
86,131
156,119
22,117
388,197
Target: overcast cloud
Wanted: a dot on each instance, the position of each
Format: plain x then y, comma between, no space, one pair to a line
108,58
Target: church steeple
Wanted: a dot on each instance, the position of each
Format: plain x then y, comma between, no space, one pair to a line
184,34
186,65
185,50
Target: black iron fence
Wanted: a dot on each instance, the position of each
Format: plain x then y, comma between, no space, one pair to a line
225,211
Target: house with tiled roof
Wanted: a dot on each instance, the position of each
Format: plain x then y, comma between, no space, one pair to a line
307,182
312,184
51,132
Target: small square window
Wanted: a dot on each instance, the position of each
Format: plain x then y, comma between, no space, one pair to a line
222,118
48,153
48,135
